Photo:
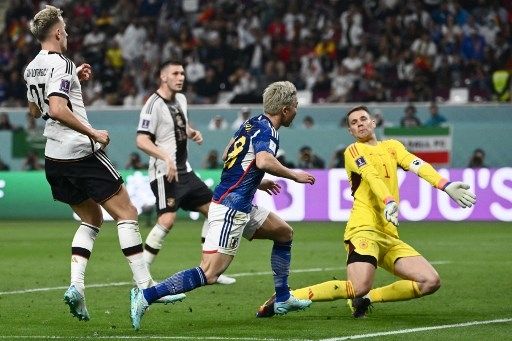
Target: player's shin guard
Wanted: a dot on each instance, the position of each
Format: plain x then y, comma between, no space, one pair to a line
398,291
178,283
326,291
154,242
81,248
131,245
280,262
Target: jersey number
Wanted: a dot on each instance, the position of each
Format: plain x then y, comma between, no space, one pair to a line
35,93
238,146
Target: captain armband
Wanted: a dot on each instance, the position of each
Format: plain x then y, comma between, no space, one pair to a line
415,165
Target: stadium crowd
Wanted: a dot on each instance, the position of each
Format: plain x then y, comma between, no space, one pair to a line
339,51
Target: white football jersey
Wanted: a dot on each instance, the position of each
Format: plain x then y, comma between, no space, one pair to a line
166,123
52,74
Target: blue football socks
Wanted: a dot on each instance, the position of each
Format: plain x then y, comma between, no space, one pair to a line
183,281
280,262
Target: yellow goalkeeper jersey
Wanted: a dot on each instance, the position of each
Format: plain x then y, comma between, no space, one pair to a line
372,172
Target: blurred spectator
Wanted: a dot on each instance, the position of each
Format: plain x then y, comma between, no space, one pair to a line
217,123
243,115
477,159
304,41
281,157
410,119
338,157
134,162
211,161
32,162
207,88
5,122
4,166
379,119
436,119
308,122
501,85
309,160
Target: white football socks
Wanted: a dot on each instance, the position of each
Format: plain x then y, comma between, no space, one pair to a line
154,243
81,248
131,245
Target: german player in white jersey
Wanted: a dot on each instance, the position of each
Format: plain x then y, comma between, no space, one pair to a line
162,133
77,169
248,156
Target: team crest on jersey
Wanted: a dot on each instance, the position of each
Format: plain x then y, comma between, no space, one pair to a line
360,162
234,243
145,124
247,127
171,202
65,85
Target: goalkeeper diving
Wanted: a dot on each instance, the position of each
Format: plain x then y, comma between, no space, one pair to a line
371,235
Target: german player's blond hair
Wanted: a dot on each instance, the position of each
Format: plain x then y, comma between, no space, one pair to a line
43,21
277,96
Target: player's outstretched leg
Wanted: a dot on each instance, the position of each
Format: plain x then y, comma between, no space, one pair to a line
360,306
267,308
76,303
291,304
138,306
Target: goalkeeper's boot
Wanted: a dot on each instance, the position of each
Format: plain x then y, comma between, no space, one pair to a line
267,309
223,279
76,302
171,299
360,306
138,306
291,304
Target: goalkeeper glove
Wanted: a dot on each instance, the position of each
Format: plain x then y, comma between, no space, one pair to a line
458,191
391,212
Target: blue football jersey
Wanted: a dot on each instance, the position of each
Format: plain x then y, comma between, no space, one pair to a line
240,176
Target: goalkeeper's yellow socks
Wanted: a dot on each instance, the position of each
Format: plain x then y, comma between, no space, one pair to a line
398,291
326,291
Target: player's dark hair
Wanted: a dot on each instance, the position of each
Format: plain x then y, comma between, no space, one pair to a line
169,62
359,107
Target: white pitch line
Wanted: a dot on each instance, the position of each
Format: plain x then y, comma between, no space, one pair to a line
242,274
357,336
421,329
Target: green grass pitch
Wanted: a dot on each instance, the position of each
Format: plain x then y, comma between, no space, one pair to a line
474,302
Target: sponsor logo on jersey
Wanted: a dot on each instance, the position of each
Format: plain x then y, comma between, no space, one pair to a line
145,124
65,85
363,244
360,162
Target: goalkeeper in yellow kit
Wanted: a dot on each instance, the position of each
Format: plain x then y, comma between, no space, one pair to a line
371,236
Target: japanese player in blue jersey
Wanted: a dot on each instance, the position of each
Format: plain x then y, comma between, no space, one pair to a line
248,156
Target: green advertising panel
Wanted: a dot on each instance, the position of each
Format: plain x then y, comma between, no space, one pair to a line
27,195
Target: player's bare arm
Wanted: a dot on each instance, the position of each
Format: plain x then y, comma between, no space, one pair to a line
60,111
145,144
195,135
34,110
269,186
268,163
84,72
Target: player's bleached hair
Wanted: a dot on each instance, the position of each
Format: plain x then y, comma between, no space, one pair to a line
43,21
277,96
